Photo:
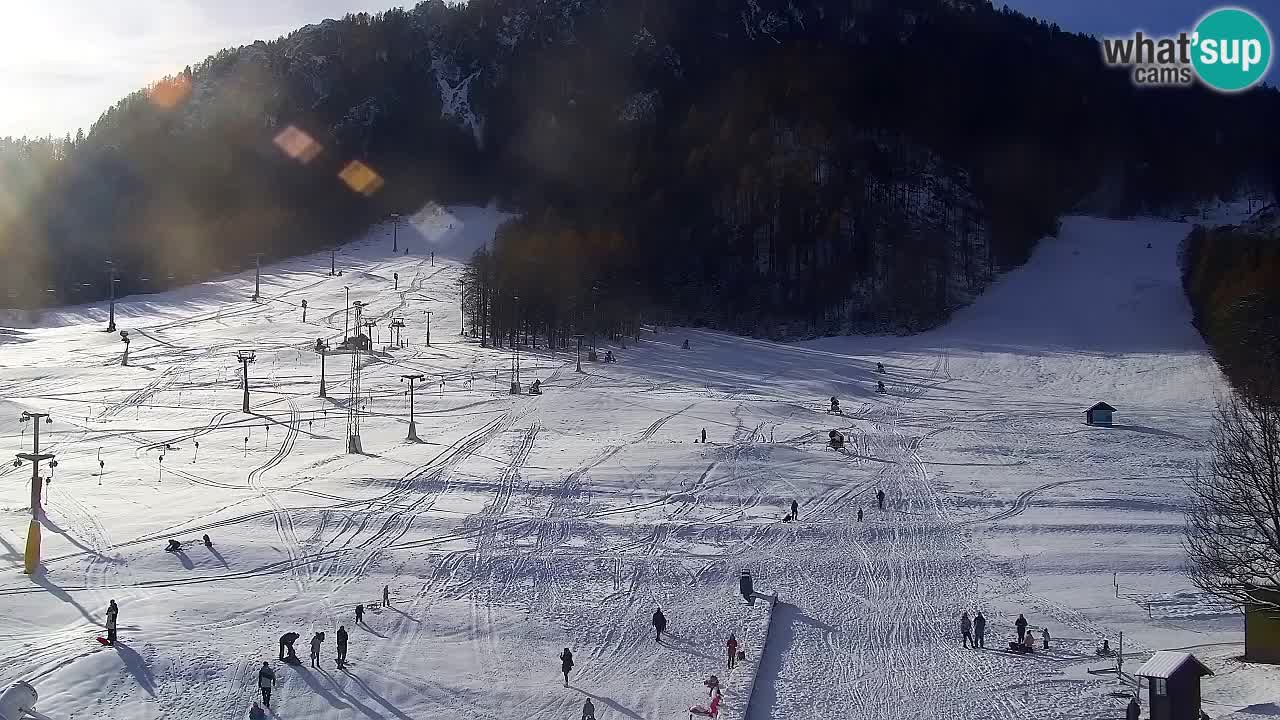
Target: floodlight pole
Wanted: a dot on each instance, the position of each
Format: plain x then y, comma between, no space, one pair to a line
32,559
413,428
245,357
462,307
395,231
257,276
579,339
428,328
111,319
346,318
333,262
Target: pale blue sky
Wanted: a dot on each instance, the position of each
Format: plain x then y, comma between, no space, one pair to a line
62,62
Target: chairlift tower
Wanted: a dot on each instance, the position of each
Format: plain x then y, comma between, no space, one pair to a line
245,357
257,275
35,457
413,427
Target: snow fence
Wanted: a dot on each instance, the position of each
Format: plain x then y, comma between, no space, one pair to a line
753,636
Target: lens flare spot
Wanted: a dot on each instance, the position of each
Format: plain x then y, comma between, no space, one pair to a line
298,145
361,178
170,92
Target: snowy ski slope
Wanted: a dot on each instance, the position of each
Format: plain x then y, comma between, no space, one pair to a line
522,525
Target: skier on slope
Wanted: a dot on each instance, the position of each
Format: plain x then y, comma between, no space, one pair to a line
342,646
732,646
1021,624
880,498
266,680
966,629
659,623
979,631
316,641
566,664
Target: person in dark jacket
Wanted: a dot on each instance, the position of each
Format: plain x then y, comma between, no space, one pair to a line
256,713
966,629
795,510
316,641
659,623
880,498
360,613
859,514
1021,624
342,645
732,646
386,595
979,631
704,436
266,680
1132,711
113,614
566,664
286,645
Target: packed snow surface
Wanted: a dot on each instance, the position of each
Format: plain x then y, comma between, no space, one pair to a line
521,525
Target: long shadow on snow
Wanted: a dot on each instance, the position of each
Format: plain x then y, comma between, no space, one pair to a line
137,667
310,678
376,697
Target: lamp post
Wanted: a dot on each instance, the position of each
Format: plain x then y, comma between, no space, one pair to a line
413,428
428,328
579,337
395,231
32,559
333,261
245,357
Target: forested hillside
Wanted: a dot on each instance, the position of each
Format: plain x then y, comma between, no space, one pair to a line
774,167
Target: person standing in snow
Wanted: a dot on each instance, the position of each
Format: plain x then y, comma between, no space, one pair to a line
342,645
360,613
113,612
266,680
704,436
566,664
1044,636
732,647
256,713
795,510
588,710
859,514
659,623
316,641
1133,710
966,629
1021,624
880,498
386,595
979,631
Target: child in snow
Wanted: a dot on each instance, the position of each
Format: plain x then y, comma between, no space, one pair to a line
1044,636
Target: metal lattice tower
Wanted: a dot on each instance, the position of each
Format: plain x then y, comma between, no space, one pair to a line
353,397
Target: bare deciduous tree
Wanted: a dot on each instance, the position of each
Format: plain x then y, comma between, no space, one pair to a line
1233,525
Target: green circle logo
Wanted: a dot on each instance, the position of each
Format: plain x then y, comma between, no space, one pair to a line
1232,49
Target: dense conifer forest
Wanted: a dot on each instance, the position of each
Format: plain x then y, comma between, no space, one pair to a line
785,168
